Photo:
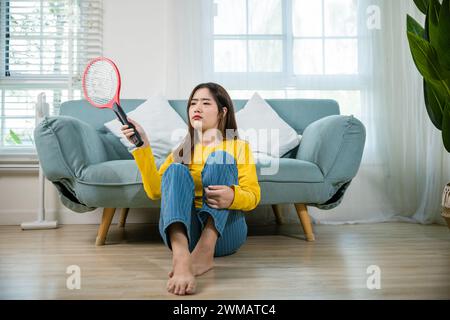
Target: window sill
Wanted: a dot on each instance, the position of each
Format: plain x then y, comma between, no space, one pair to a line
16,159
15,163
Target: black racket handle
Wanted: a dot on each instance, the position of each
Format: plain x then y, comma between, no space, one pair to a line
122,116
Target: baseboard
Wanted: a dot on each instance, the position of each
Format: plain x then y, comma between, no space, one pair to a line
261,215
64,216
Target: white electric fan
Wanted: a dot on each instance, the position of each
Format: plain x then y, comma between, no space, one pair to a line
40,223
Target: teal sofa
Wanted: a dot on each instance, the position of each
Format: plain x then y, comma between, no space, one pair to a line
91,168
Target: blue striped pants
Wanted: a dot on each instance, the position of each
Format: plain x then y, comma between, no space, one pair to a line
177,204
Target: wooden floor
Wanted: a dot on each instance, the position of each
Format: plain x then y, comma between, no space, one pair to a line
275,263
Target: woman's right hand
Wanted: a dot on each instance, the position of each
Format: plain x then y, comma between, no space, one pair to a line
129,132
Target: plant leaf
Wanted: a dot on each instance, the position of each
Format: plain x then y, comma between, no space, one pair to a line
434,102
425,57
413,26
15,137
422,5
443,41
433,22
427,31
446,127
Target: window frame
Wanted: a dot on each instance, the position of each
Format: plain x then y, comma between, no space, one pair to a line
286,79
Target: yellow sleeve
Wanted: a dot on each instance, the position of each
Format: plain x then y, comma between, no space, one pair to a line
151,176
247,193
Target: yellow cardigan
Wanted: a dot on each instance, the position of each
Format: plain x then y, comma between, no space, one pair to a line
247,193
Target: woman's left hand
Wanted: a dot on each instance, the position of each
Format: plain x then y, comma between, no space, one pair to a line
219,197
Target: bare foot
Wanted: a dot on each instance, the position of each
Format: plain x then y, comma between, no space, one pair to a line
202,262
183,280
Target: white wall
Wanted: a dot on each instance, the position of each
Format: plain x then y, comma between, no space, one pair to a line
133,37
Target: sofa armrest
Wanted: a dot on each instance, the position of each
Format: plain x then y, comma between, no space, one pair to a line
335,144
66,145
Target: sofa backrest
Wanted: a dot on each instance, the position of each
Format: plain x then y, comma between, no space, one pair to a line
298,113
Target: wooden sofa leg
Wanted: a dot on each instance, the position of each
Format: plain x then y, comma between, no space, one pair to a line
108,214
305,220
123,217
277,212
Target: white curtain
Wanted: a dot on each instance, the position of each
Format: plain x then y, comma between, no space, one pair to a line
183,47
417,167
405,166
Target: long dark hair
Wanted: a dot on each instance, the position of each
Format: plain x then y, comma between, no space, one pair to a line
227,125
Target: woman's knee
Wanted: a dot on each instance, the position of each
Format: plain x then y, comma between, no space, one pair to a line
176,167
220,168
220,157
177,170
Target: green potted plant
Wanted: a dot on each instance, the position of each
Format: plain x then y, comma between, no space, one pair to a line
430,49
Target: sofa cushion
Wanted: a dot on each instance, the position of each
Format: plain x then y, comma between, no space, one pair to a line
118,184
164,127
117,172
286,170
125,172
264,129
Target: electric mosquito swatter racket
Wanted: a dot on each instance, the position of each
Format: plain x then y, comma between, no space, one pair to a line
101,87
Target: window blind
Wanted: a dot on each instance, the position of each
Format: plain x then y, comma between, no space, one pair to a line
44,47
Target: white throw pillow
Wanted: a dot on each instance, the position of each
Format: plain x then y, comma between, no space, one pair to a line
162,124
264,129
